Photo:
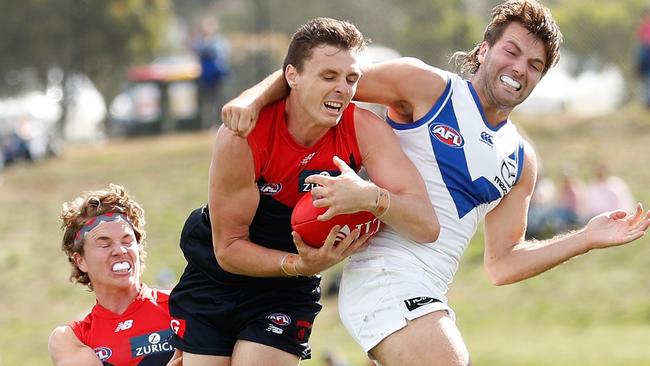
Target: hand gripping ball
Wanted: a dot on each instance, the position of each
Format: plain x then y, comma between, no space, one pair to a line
313,232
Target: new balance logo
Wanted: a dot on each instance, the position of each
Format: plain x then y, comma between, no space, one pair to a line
127,324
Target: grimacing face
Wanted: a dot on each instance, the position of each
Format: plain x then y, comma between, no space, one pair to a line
511,68
326,84
111,256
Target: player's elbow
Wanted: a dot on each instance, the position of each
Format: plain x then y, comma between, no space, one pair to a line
499,280
429,233
428,229
223,259
498,275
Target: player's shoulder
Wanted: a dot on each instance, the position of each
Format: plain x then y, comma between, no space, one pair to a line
365,119
363,114
529,169
61,340
60,333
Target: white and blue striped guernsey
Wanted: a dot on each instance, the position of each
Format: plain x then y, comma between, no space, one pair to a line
468,167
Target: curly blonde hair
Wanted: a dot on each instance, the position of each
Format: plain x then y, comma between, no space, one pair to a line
77,212
536,18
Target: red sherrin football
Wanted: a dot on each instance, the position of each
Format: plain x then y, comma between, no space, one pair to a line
314,232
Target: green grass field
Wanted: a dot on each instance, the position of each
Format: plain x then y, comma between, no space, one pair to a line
593,311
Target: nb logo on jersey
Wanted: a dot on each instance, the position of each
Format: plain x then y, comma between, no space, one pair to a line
127,324
307,159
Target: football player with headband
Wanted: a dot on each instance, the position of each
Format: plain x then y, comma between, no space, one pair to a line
104,240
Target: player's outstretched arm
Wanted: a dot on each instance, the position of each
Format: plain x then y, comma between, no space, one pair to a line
509,258
67,350
407,85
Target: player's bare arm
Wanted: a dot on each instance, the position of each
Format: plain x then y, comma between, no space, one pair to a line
67,350
509,258
408,86
233,201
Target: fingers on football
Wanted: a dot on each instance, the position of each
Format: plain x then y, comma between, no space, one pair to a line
331,237
297,240
345,244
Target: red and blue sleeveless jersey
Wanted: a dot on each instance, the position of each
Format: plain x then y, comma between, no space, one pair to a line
139,336
282,164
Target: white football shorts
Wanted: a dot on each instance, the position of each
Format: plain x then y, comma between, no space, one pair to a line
376,300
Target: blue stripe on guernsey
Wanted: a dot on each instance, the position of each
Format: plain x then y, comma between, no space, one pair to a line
465,192
477,101
520,160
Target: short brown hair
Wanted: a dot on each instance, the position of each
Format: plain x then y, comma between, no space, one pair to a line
318,32
530,14
77,212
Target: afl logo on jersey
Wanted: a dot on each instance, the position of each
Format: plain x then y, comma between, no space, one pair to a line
269,189
103,353
447,135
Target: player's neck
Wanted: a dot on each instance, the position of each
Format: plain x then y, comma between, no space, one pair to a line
117,300
300,125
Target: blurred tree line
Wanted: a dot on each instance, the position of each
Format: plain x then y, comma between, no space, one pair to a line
96,38
103,38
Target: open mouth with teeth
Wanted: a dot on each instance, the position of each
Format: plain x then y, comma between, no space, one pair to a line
121,267
510,82
333,106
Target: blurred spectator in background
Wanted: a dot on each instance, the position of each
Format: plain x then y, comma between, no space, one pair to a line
540,211
643,56
213,53
607,193
555,208
569,202
15,146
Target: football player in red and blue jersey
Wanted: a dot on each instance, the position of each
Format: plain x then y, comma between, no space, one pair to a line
130,323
